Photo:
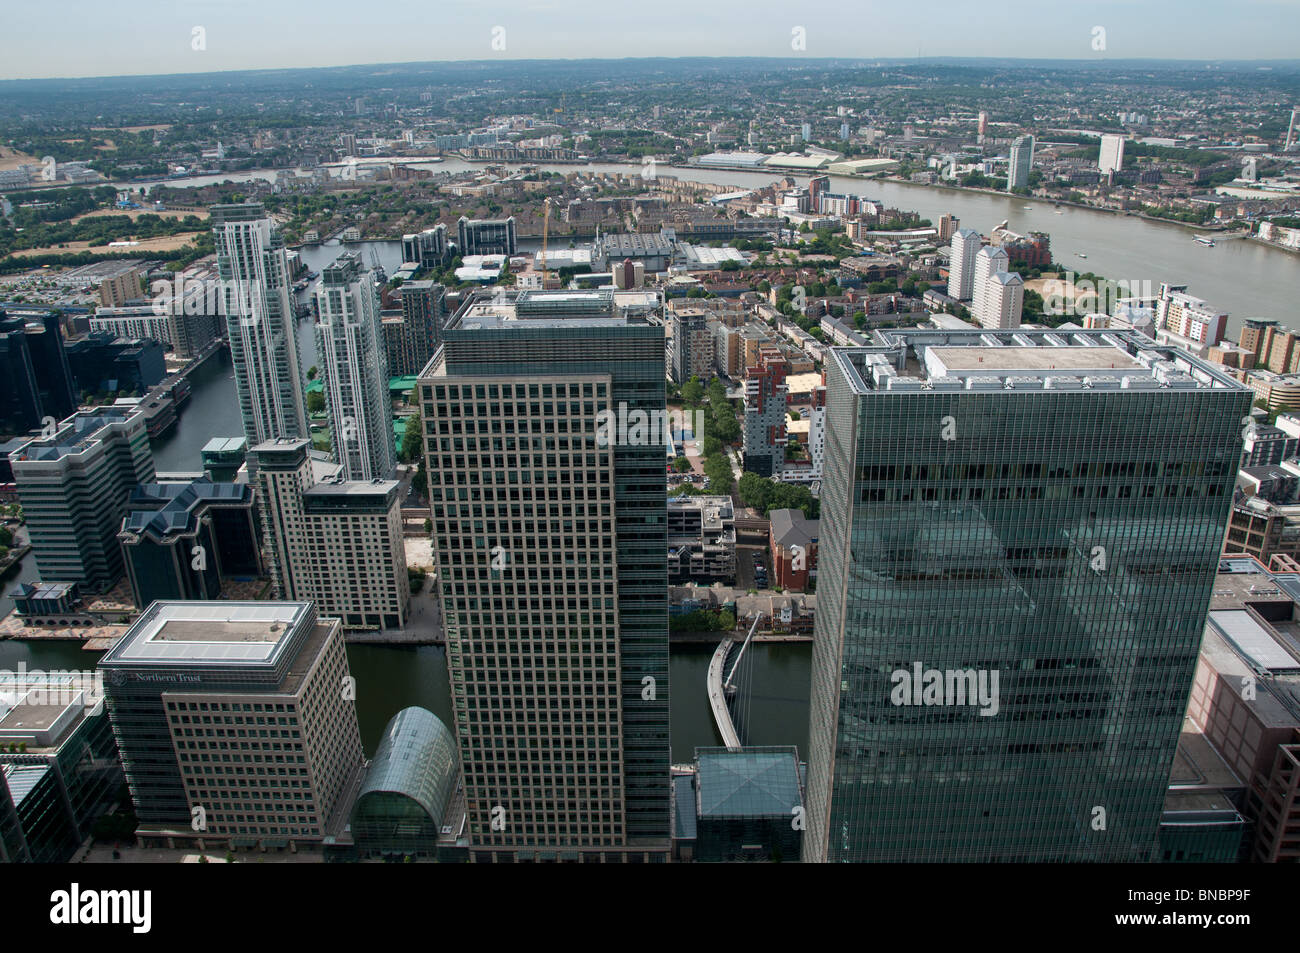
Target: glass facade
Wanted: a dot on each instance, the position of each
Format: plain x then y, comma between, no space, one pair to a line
1011,594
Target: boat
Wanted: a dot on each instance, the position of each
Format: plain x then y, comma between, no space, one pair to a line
1081,254
1028,208
1202,240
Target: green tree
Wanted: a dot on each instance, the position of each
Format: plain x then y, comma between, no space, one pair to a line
412,439
315,402
693,392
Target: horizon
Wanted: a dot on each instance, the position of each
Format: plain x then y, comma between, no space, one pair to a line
206,36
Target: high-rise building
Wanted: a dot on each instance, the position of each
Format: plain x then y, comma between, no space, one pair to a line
411,340
1002,297
948,225
1018,539
990,261
73,487
966,244
692,345
260,322
334,542
981,127
354,368
486,236
763,431
545,452
1111,156
36,382
1022,161
235,722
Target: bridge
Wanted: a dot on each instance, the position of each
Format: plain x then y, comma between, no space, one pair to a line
720,685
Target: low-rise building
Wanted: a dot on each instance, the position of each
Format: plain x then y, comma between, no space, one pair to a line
701,539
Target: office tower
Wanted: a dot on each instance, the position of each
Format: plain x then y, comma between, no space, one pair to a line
1027,524
486,236
966,244
235,722
629,274
35,380
255,290
73,487
692,345
101,363
818,186
330,541
409,341
1292,128
428,248
805,130
1001,299
1022,161
354,367
1111,156
59,769
982,127
990,261
763,430
183,540
545,467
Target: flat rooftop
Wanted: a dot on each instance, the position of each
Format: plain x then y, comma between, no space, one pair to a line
1061,359
215,633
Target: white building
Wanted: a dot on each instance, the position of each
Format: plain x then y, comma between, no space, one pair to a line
1022,160
354,369
1001,301
961,266
1111,158
1182,318
260,322
989,261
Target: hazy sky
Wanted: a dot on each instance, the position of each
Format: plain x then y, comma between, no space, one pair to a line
122,37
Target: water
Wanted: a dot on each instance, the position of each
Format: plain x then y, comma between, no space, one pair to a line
390,678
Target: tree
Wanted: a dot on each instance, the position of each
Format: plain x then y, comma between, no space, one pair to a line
312,372
681,464
412,439
315,402
693,392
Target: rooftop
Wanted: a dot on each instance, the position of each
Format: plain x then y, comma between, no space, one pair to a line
949,359
209,633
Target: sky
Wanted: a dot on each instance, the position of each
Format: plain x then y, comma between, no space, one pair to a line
73,38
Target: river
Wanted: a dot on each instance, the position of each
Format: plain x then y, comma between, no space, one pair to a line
1245,278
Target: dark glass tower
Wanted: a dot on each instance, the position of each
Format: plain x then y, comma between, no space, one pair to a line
549,544
1035,518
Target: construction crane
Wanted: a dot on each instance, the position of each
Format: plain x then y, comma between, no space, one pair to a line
546,228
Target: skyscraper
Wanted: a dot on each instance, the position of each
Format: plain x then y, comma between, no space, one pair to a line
1018,541
1022,161
36,381
257,302
354,365
549,531
961,265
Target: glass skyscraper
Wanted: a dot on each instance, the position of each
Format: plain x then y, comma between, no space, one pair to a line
549,534
1019,536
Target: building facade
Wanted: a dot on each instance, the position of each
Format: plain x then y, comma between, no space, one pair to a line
548,507
257,301
1018,541
354,366
235,723
334,542
73,486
